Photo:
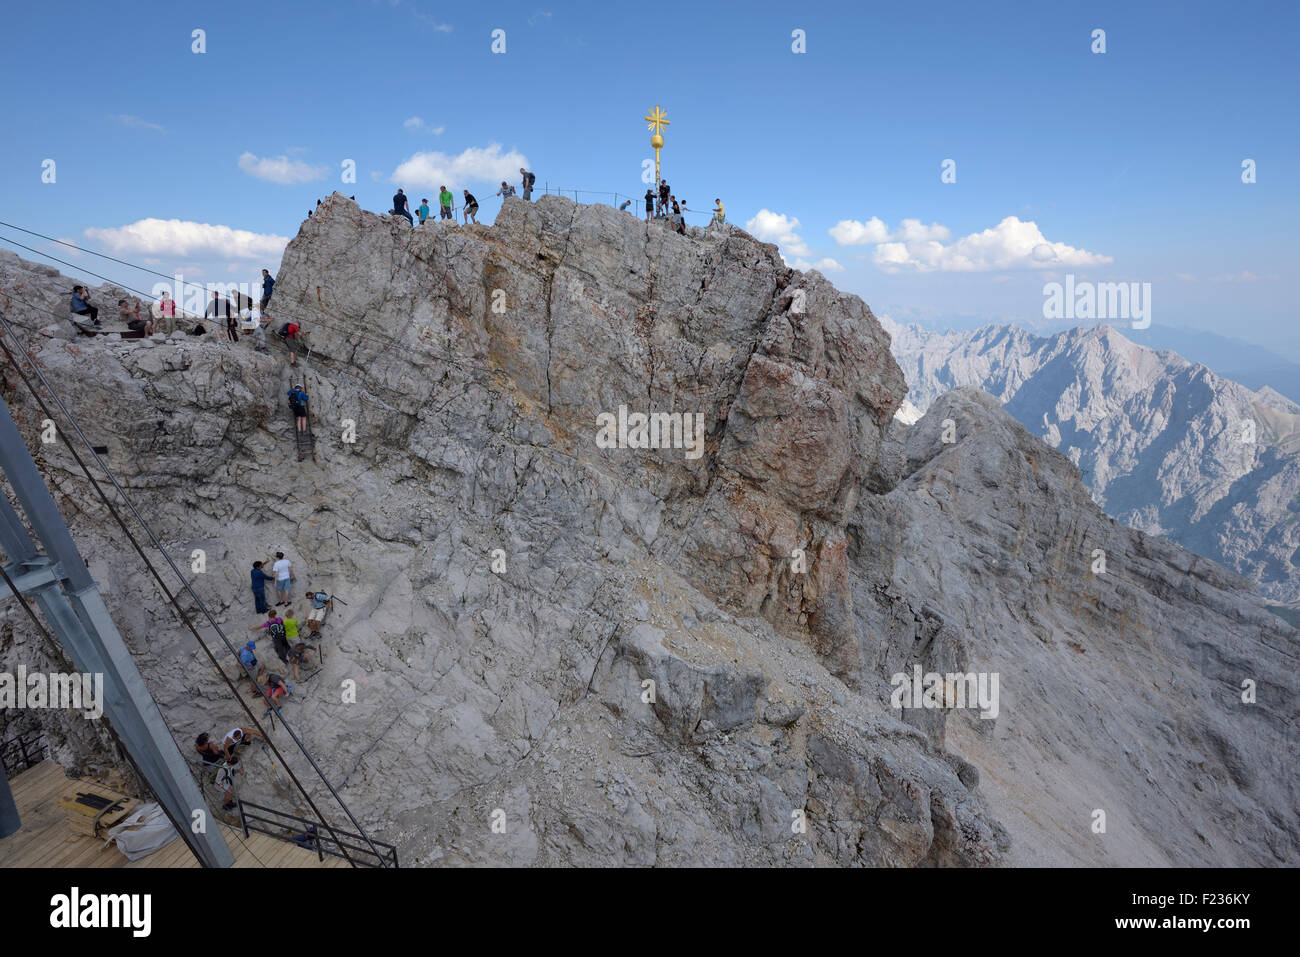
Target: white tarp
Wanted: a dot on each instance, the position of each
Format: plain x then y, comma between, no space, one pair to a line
144,832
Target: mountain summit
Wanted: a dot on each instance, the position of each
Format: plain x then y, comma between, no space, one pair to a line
630,655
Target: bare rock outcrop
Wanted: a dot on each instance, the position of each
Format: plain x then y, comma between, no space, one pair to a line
643,655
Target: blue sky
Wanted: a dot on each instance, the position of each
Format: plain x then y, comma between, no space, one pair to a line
1123,165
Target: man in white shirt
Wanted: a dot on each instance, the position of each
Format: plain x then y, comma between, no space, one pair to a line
283,579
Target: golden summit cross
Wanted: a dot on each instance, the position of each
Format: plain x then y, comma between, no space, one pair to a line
657,119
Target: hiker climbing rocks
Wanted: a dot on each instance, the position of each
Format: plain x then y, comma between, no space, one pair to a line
470,208
237,736
321,604
209,753
529,182
283,569
445,199
225,779
506,191
81,305
275,690
298,400
253,668
401,207
268,287
260,578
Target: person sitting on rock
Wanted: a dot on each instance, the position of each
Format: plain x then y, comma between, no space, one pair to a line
81,305
401,207
136,323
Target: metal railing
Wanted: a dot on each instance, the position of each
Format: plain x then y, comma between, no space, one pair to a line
265,820
23,750
636,204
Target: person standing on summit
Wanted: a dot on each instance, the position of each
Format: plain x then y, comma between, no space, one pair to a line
401,207
445,199
470,207
268,286
529,181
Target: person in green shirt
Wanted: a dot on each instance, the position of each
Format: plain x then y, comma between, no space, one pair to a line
445,199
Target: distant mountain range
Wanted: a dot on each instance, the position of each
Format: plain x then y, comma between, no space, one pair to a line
1164,444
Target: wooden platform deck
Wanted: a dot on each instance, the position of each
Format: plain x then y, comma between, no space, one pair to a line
47,840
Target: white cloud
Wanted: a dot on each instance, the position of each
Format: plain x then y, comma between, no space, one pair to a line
474,165
914,231
783,230
175,237
1244,276
1011,244
137,123
780,229
538,17
71,253
822,265
850,232
280,169
415,123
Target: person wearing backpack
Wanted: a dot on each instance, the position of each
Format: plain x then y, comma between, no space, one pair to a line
529,181
298,400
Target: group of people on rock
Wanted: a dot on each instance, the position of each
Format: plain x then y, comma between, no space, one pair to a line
662,204
162,315
290,645
447,202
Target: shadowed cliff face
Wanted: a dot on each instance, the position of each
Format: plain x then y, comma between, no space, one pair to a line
647,655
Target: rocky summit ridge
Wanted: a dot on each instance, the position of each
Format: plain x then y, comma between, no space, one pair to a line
641,657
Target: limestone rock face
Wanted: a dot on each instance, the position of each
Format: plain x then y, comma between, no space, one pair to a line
569,653
1163,444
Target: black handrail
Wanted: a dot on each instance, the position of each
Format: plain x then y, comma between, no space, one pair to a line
362,855
24,750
